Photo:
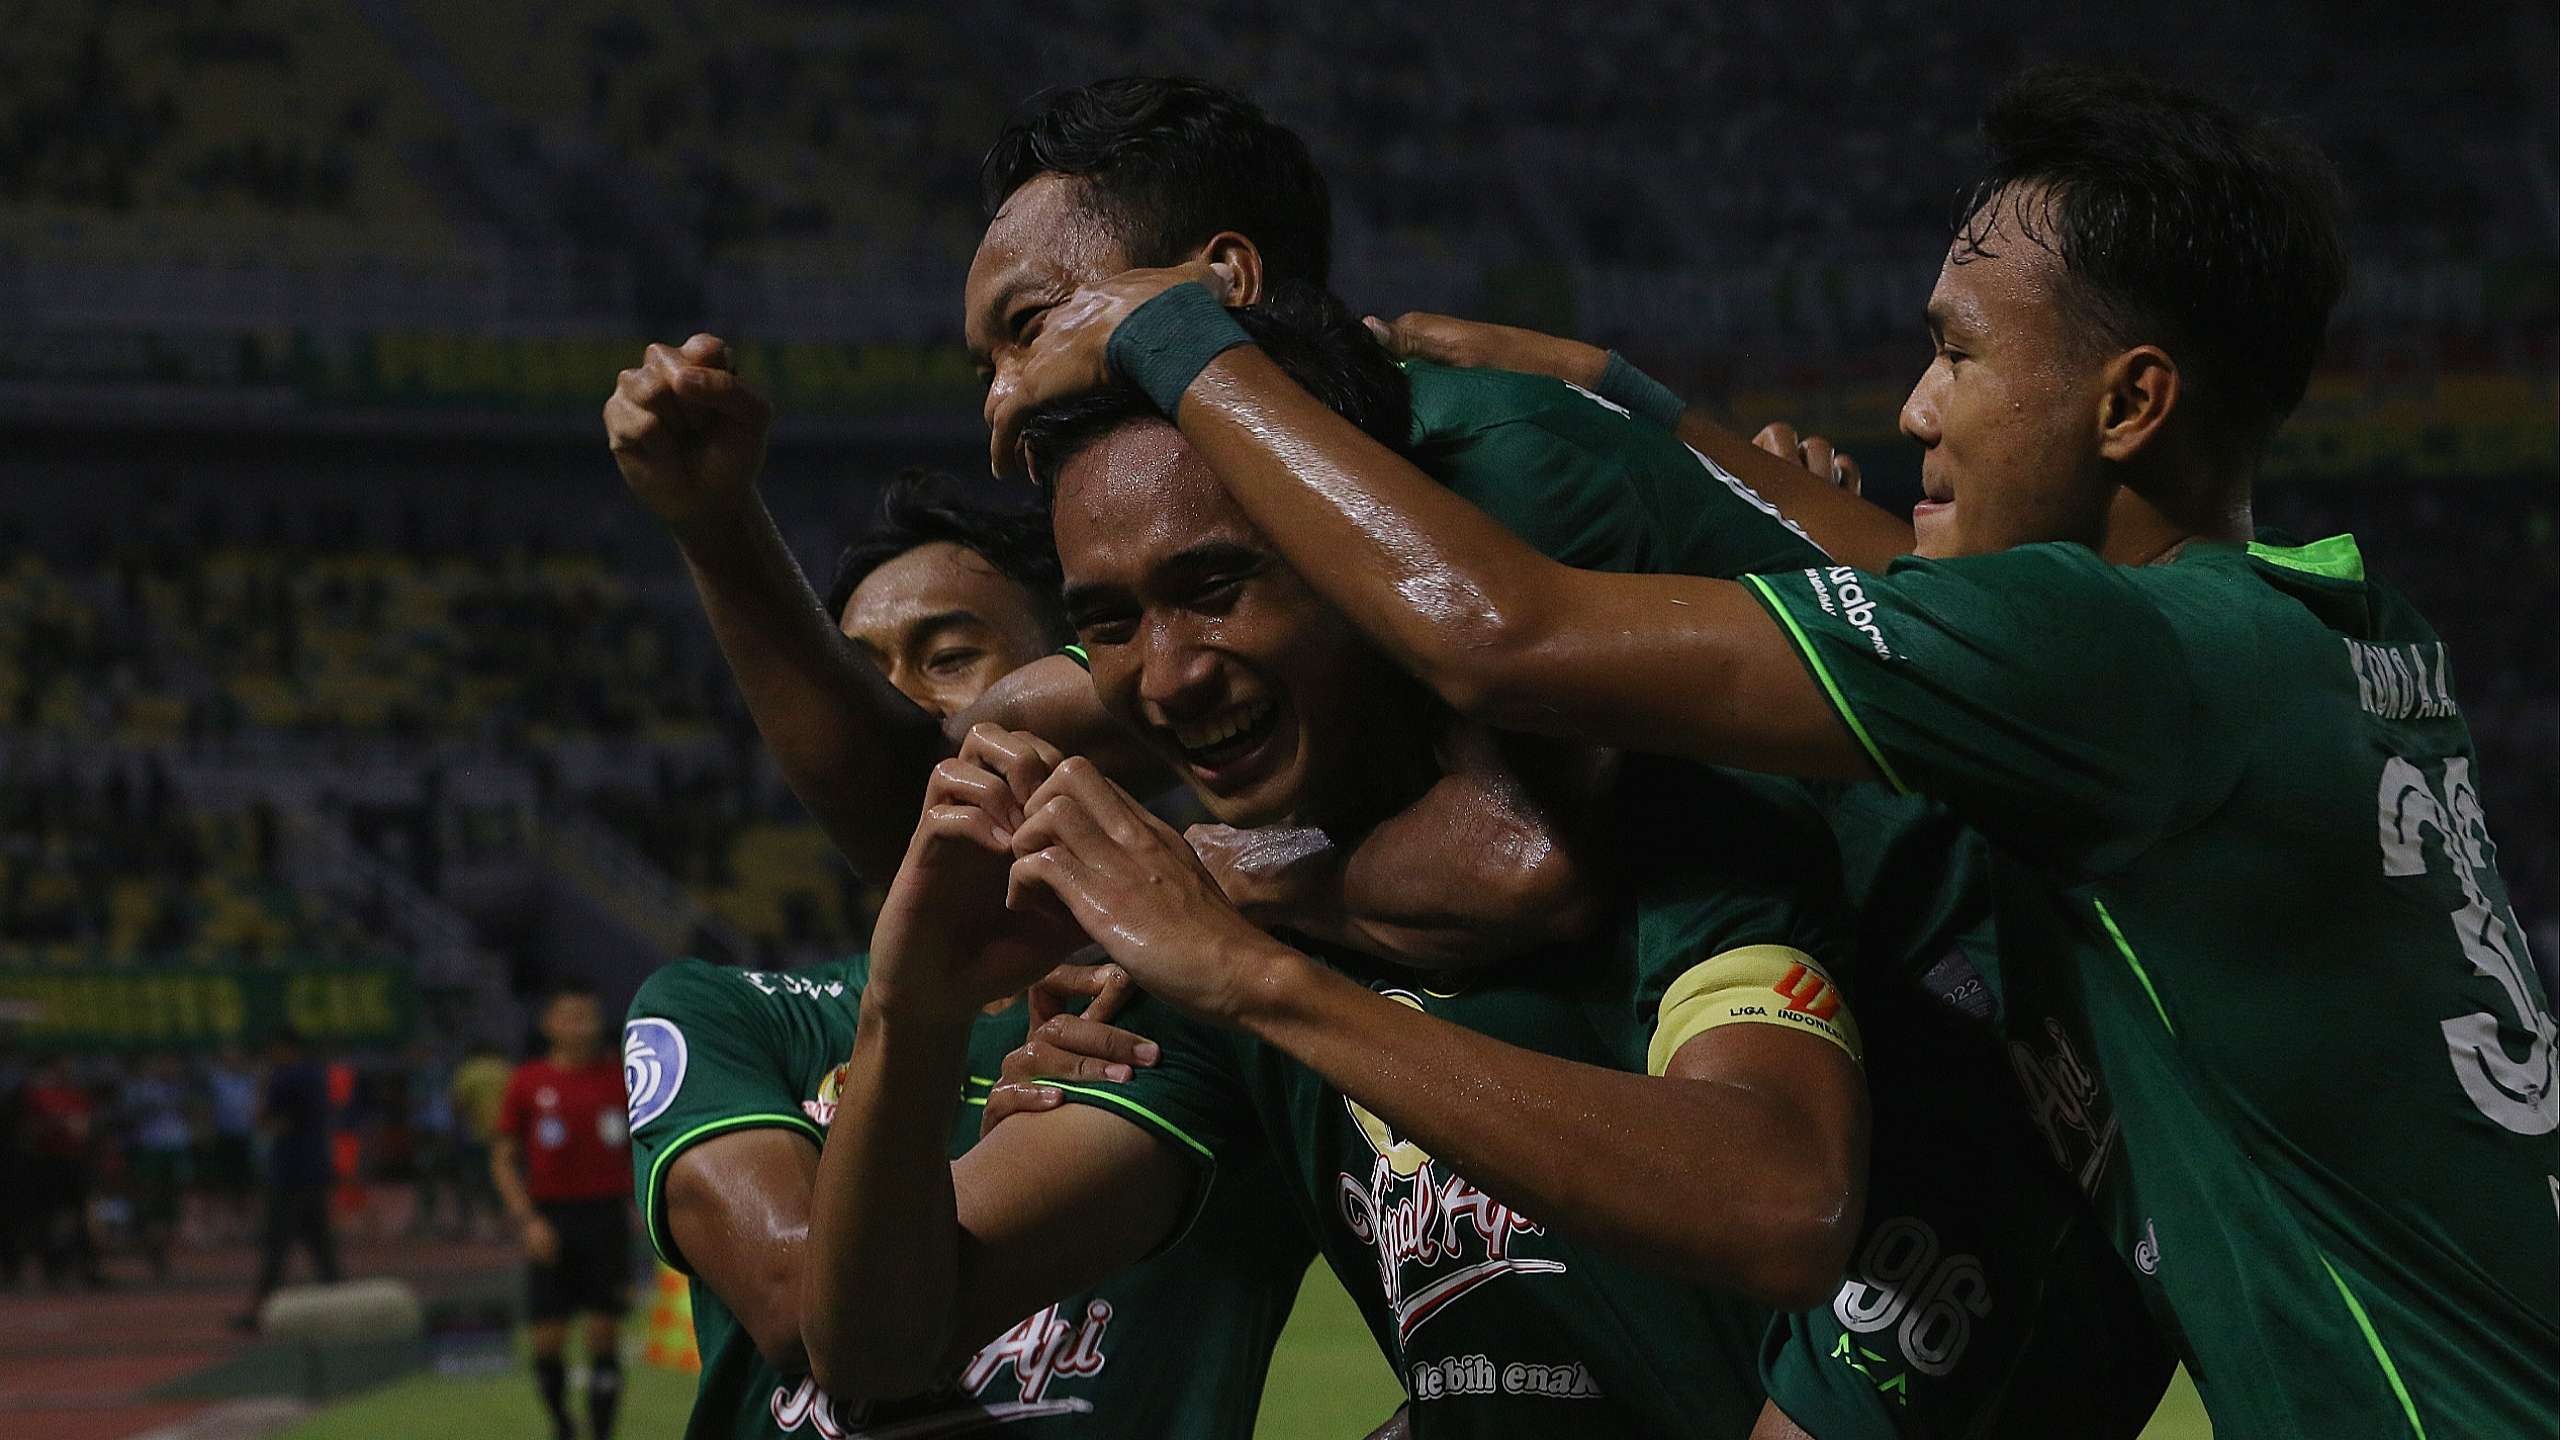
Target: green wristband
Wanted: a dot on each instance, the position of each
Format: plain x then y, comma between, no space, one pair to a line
1164,344
1643,396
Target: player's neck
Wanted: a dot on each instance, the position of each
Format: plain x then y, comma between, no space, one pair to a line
2143,530
571,1057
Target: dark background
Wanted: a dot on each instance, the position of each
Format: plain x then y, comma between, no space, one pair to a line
328,639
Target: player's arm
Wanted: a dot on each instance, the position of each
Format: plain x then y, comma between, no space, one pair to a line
1044,1207
1659,663
737,1207
1491,861
506,1173
1784,474
1739,1160
689,436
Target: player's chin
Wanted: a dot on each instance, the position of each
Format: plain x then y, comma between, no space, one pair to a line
1935,531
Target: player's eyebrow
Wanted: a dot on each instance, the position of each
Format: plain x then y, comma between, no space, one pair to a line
925,627
1210,557
1079,597
1943,321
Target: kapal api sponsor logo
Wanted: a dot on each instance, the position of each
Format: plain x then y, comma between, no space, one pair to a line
1437,1237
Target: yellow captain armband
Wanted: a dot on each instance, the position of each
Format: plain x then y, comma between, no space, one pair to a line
1755,985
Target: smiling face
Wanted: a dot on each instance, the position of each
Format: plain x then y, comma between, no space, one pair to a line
2007,414
1205,643
943,625
1043,244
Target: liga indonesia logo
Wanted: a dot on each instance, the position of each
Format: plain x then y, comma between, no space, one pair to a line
653,1056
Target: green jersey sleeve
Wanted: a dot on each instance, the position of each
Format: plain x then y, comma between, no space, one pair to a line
703,1054
1738,907
1194,1097
2036,692
1575,504
1588,484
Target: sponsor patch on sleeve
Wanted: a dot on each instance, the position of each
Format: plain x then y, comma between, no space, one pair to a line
653,1057
1755,985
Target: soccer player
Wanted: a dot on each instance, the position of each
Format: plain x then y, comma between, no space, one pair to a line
2255,954
1563,1190
1146,171
562,1166
734,1078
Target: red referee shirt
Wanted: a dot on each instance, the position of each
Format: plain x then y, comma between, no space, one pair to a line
573,1128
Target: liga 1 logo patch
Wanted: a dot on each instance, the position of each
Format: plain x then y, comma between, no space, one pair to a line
653,1056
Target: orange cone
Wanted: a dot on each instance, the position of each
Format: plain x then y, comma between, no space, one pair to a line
670,1345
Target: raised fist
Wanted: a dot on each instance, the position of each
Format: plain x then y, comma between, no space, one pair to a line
687,432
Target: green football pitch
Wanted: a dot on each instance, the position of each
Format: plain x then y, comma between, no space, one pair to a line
1326,1384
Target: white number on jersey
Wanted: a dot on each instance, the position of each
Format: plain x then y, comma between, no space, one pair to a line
1899,1277
2520,1093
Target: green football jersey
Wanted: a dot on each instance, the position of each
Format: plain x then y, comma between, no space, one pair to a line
2049,1330
1586,483
2258,970
1498,1323
1177,1345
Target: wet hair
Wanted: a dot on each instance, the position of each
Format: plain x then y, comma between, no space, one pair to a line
1312,337
1169,162
925,507
2177,221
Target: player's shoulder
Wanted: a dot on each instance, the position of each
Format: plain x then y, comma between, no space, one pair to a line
1460,412
696,989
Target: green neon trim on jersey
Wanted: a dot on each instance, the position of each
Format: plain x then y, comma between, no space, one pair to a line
2381,1356
2131,959
1076,653
978,1100
686,1141
1822,673
2336,557
1125,1103
982,1080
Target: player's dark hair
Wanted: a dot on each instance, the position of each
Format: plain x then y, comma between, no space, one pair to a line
1312,337
1170,162
925,507
2178,222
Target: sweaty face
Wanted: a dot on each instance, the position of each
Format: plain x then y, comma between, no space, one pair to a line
1040,247
2007,414
1209,646
943,625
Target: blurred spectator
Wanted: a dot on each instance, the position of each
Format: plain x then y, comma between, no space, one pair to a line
155,1107
479,1092
435,1145
18,1209
231,1151
295,1116
61,1159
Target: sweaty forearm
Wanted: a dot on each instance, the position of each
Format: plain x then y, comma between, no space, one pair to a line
1053,698
1501,633
1847,528
851,747
1676,1171
880,1301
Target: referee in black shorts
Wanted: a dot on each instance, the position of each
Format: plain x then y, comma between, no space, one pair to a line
562,1163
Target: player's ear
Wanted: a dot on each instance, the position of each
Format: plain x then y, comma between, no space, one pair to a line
1243,262
2137,392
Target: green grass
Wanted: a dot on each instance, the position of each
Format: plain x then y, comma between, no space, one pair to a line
1327,1383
